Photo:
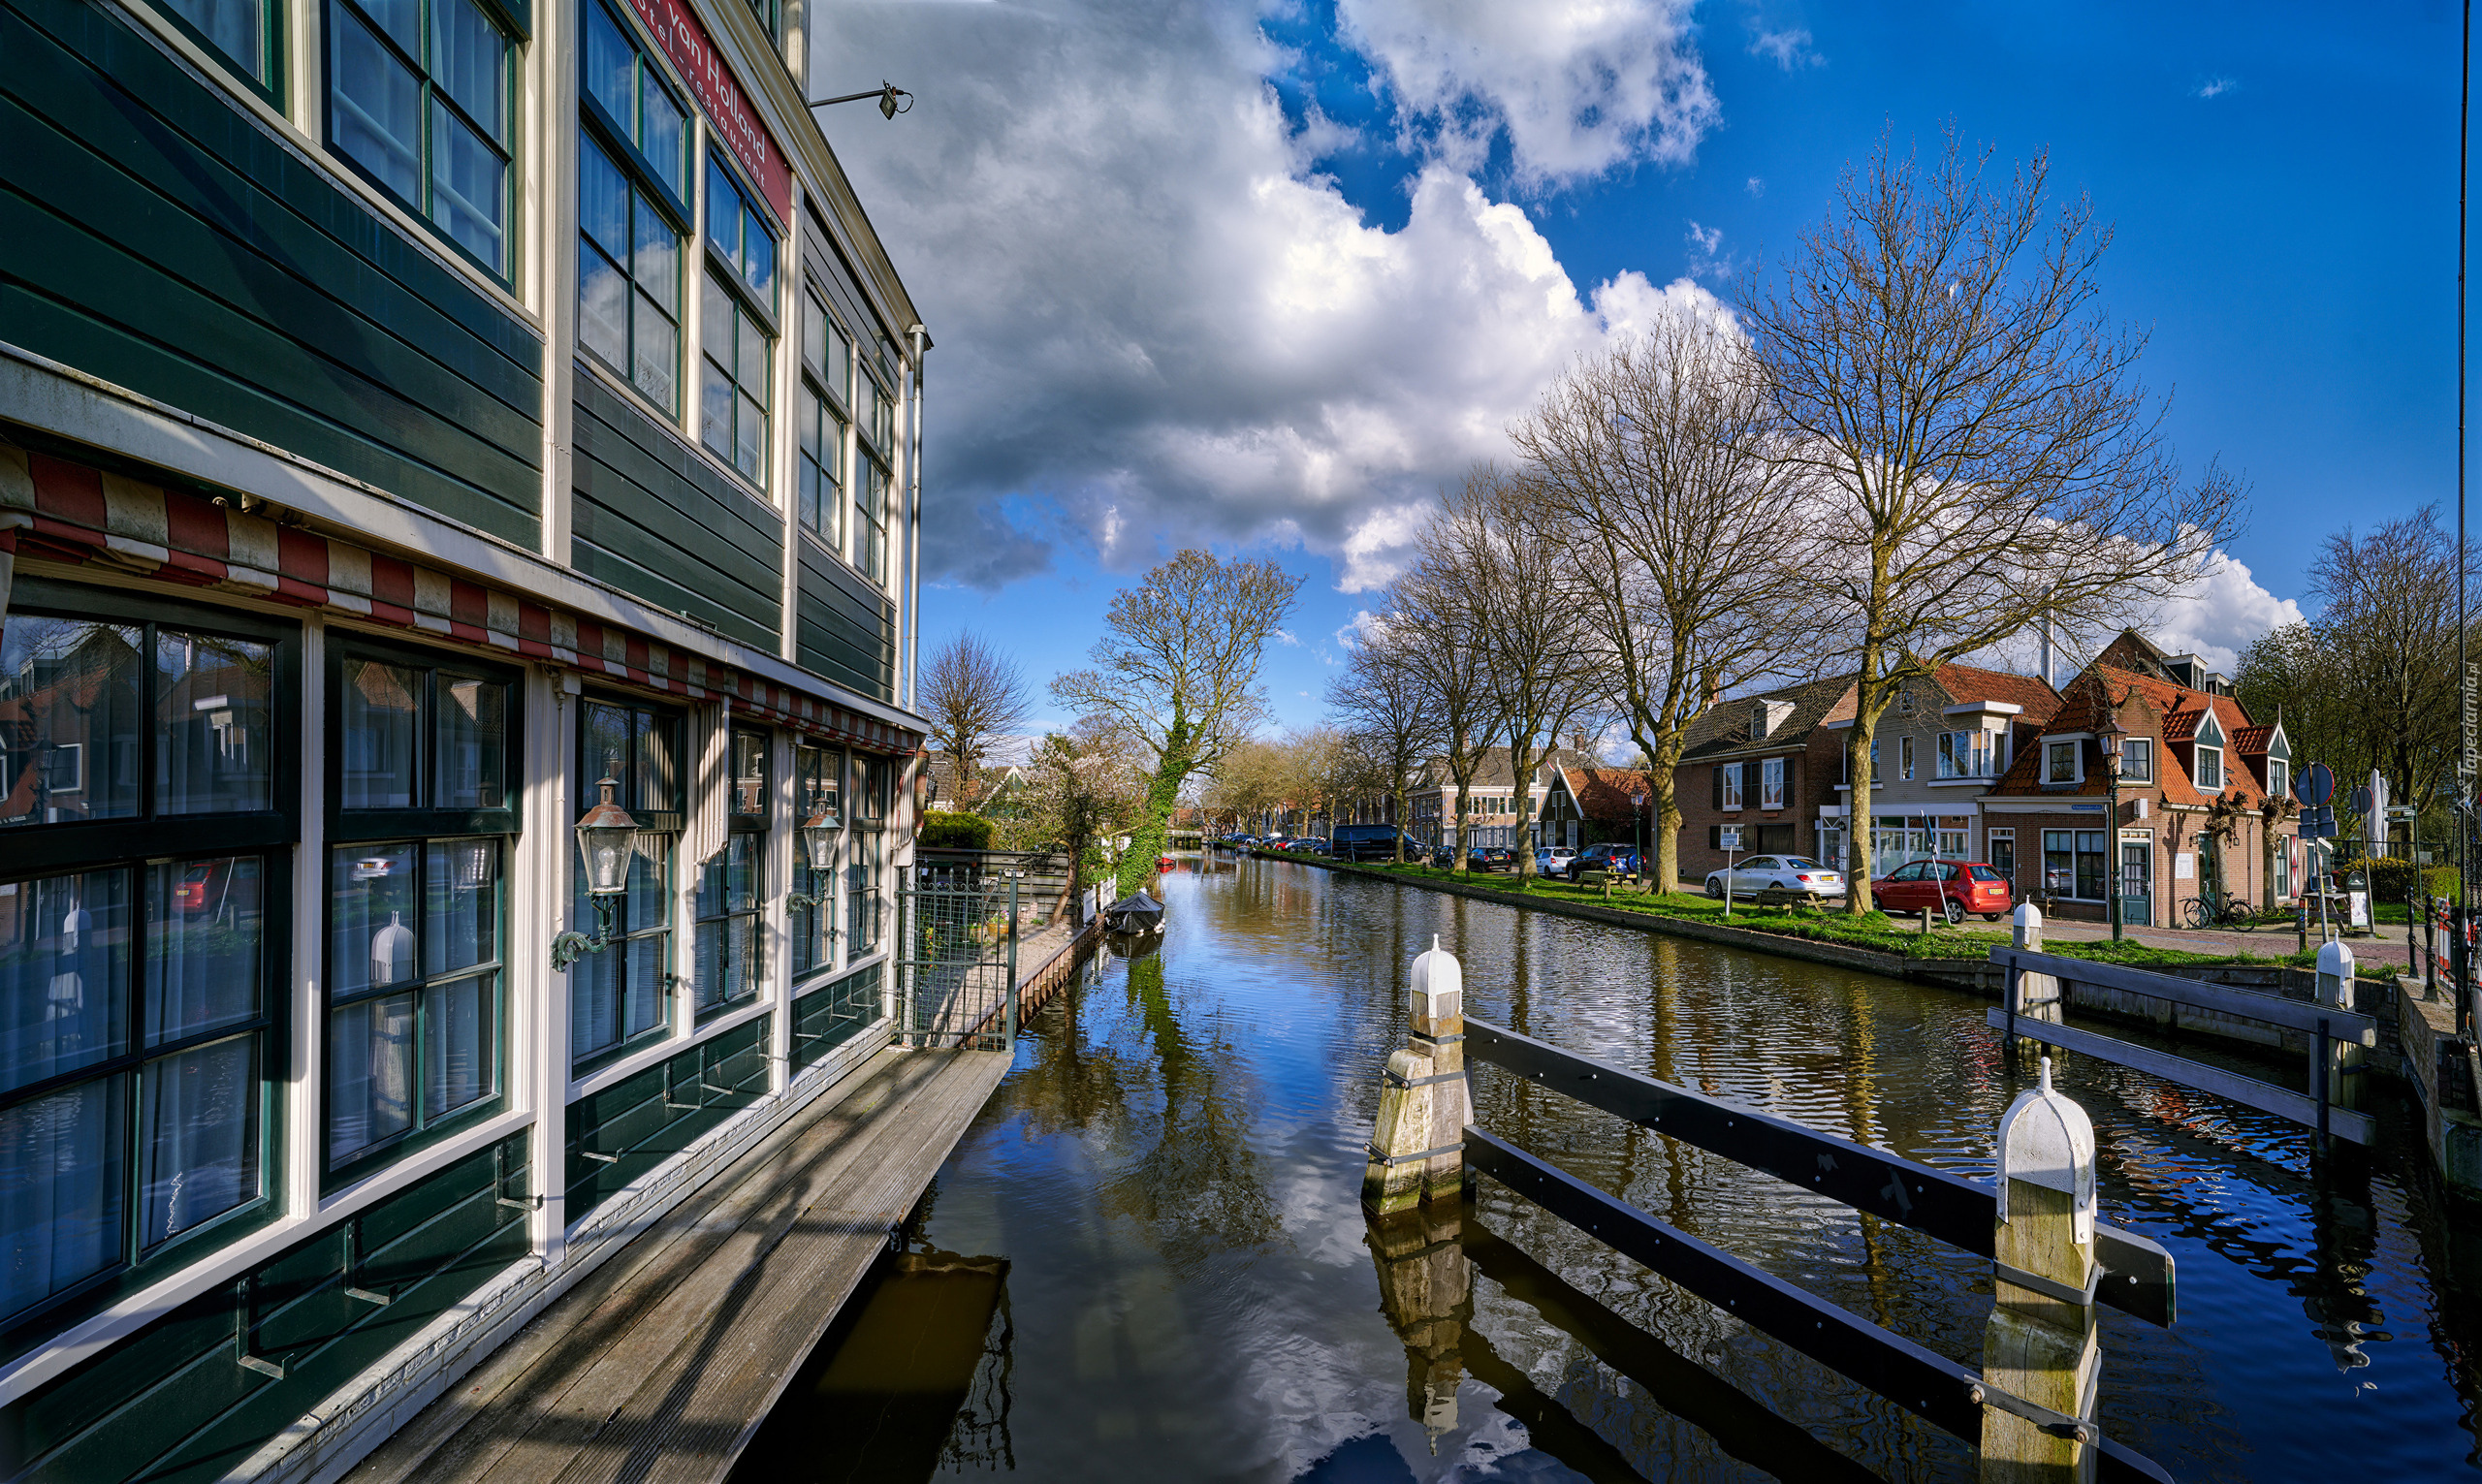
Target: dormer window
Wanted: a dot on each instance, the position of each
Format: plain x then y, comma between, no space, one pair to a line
2278,778
2059,762
1757,721
2210,770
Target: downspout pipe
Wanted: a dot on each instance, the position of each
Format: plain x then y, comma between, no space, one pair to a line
914,530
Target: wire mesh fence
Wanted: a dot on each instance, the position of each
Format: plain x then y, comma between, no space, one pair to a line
957,959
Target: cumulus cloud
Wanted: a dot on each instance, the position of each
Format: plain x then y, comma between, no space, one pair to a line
1578,86
1756,186
2226,611
1790,48
1157,323
2215,87
1284,636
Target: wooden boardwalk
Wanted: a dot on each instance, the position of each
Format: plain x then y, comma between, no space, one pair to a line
659,1365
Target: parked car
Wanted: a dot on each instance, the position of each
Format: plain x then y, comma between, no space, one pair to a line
1490,858
1443,858
1950,888
1311,845
1369,843
1778,872
1616,856
1554,859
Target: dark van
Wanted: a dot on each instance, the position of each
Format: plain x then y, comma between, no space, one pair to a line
1368,842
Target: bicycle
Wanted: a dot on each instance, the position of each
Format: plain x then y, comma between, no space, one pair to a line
2222,912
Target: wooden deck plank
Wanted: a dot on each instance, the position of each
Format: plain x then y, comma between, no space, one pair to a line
611,1381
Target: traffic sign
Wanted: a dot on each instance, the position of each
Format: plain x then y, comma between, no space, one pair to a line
2315,785
2317,824
2362,801
2402,811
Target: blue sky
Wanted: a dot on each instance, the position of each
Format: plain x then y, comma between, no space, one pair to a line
1105,209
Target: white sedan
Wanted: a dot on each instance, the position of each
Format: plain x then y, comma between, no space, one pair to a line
1781,872
1553,861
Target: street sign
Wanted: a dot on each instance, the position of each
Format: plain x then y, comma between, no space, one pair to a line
1731,839
2315,786
2362,801
2317,824
2402,811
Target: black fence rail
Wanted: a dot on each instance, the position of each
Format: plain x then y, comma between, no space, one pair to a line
2137,1274
2325,1026
955,963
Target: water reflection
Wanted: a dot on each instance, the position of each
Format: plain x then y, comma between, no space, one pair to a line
1171,1174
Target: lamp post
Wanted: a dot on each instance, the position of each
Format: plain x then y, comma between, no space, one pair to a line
605,847
818,848
886,93
2111,734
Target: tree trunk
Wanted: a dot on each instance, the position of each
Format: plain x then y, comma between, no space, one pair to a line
1858,814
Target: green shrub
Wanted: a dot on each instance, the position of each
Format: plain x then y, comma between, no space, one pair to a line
944,831
2390,880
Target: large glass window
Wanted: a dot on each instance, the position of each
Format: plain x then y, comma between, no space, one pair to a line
827,389
147,761
632,188
419,100
866,855
624,993
731,961
2073,863
741,275
425,807
245,31
876,421
818,792
2211,769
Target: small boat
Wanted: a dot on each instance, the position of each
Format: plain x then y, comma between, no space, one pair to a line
1139,913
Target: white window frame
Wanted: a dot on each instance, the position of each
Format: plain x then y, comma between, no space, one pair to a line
2278,778
1731,786
2202,756
2136,746
1770,783
2076,762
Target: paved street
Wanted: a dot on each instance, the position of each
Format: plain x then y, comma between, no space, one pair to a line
2386,947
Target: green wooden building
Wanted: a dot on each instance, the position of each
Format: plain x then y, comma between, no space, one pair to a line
413,415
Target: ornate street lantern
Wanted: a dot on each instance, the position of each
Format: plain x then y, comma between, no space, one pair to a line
606,843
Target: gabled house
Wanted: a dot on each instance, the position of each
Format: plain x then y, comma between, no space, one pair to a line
1491,810
1585,805
1938,748
2201,798
1766,765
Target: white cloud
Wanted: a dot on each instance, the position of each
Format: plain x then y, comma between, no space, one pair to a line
1756,186
2215,87
1706,256
1579,87
1284,636
2223,614
1790,48
1156,323
1356,630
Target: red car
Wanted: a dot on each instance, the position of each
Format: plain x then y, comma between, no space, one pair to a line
1949,888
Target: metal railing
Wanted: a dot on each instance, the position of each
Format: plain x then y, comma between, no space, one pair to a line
956,960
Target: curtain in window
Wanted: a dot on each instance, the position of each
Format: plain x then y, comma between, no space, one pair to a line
371,1051
199,1138
60,1191
62,972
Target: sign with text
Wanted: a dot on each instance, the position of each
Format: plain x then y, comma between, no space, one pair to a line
720,98
1731,839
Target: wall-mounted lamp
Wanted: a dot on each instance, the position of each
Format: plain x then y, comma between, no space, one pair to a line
605,844
818,847
887,95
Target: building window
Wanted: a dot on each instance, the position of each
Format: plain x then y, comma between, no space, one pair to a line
624,993
818,779
1730,774
740,273
245,31
2278,779
2059,762
1952,845
730,960
419,102
632,182
425,805
877,425
2073,863
771,18
1905,757
1968,756
147,776
866,855
2137,760
827,389
2002,846
1770,783
2211,769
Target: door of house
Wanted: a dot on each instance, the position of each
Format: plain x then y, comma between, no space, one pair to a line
2137,883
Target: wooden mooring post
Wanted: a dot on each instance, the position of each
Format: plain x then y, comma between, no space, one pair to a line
2041,1344
1418,1150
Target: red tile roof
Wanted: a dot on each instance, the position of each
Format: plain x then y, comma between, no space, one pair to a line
2167,711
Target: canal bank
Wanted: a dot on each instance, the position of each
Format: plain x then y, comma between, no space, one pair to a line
1170,1177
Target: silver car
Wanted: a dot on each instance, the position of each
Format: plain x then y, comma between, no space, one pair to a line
1553,861
1780,873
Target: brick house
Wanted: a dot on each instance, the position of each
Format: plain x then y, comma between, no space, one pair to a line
1491,813
2195,784
1585,805
1764,763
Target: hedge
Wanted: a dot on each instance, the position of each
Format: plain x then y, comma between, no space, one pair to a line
945,830
2390,880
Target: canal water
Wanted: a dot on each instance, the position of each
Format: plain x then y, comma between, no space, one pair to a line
1147,1261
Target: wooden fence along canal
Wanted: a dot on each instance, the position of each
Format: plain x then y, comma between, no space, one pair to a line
2031,1409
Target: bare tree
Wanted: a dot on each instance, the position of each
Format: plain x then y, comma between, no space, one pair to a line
1389,713
1247,783
1178,668
1976,453
1659,455
974,695
1447,652
1541,663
